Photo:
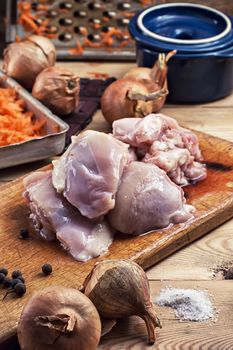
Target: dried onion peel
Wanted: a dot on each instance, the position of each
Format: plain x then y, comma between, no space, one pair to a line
120,288
59,318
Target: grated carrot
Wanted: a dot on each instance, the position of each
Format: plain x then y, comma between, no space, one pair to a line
146,2
96,25
26,20
78,50
99,75
16,124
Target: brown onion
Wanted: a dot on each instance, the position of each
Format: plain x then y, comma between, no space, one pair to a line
24,60
120,288
59,318
58,89
138,73
158,74
159,70
128,97
46,46
140,92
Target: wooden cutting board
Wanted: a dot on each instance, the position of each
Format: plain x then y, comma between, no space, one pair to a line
213,199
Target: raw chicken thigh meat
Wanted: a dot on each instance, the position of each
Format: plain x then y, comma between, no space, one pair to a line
54,217
147,199
159,140
89,172
126,181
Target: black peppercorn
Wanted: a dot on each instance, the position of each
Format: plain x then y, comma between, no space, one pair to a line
20,289
229,274
16,274
24,233
21,279
47,269
7,282
2,276
15,281
4,270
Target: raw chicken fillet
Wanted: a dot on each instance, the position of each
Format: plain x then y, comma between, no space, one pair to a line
159,140
89,172
55,218
126,181
147,199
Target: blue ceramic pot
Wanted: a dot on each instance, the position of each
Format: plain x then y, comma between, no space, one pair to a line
202,69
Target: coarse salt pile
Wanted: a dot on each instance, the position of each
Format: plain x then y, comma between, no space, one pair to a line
189,304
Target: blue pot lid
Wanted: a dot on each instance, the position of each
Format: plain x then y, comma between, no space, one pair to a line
187,28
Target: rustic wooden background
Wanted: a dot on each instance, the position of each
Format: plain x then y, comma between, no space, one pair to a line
222,5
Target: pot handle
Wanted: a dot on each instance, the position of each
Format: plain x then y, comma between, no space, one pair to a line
226,53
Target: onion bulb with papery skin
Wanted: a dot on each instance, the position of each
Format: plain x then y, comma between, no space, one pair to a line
24,60
158,74
139,73
120,288
140,92
127,98
59,318
47,47
58,89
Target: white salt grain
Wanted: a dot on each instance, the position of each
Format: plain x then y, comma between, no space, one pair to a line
189,304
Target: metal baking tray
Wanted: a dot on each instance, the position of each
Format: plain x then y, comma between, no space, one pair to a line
51,144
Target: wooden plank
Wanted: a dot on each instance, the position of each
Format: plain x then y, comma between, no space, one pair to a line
199,260
130,334
216,121
213,199
113,69
225,102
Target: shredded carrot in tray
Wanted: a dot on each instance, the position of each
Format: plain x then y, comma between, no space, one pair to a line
16,124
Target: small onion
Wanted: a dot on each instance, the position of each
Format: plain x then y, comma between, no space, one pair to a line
126,98
140,92
158,73
47,47
139,73
59,318
24,60
58,89
120,288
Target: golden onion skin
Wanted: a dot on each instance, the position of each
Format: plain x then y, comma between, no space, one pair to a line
24,60
120,288
59,318
58,89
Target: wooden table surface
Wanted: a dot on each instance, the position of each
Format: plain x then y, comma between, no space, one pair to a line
193,266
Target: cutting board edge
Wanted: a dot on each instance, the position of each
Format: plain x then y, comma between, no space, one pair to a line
212,221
